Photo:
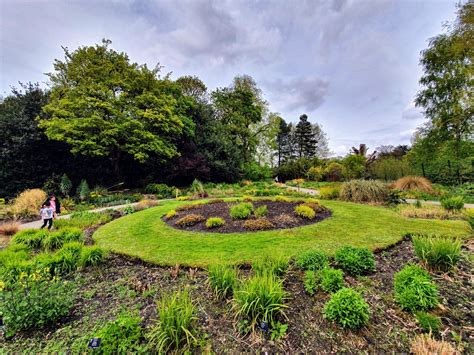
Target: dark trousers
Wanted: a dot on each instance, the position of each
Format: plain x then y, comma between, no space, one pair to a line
47,221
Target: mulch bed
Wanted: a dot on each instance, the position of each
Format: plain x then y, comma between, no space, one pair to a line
221,209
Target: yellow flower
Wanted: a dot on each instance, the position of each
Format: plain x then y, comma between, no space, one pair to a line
2,285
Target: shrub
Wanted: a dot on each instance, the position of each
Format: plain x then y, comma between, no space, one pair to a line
315,173
452,204
170,214
310,283
122,335
413,183
355,261
364,191
222,279
437,252
162,190
83,190
32,238
258,224
241,211
331,280
28,203
92,256
312,260
305,212
197,189
315,206
9,228
260,299
329,192
35,301
280,198
273,264
175,329
334,172
424,344
348,308
144,204
261,211
428,322
414,290
214,222
190,220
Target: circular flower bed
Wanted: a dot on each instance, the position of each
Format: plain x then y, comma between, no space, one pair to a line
234,217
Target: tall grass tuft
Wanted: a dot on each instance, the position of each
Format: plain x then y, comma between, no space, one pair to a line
364,191
175,326
413,183
92,256
273,264
9,228
260,299
28,203
437,252
83,220
222,279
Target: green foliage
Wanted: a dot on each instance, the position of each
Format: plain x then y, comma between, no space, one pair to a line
170,214
241,211
67,258
258,224
261,211
65,185
175,329
260,298
83,190
35,301
312,260
278,331
214,222
310,282
55,240
437,252
354,166
305,212
92,256
190,220
122,335
273,264
356,261
329,192
83,220
128,209
334,172
315,173
223,279
414,290
364,191
348,308
32,238
162,190
281,199
428,322
331,280
14,262
452,204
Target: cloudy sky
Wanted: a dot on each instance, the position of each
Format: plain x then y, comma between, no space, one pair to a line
351,65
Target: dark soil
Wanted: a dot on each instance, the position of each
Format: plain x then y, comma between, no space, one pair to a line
126,283
276,209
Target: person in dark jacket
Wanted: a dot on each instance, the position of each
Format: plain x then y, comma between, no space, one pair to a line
55,204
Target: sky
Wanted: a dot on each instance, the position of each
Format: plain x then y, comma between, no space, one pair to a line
351,65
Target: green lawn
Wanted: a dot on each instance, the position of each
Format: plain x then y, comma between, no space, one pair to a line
144,235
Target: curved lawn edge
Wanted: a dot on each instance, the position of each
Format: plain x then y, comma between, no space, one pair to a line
144,235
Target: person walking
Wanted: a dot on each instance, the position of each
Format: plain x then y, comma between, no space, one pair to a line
55,205
47,214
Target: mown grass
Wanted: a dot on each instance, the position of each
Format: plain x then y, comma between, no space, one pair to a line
146,236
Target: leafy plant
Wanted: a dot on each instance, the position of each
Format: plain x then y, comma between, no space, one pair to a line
67,258
170,214
312,260
190,220
453,204
92,256
122,335
329,192
280,198
355,261
437,252
331,280
305,212
128,209
310,282
175,329
414,290
428,322
258,224
348,308
55,240
364,191
261,211
214,222
260,299
315,173
241,211
274,264
222,279
278,331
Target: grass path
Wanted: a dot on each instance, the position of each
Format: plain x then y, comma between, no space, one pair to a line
145,235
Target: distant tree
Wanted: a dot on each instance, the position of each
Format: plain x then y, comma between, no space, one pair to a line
305,138
103,105
322,146
283,142
194,87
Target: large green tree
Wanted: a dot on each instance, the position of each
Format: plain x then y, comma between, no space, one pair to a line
305,138
104,105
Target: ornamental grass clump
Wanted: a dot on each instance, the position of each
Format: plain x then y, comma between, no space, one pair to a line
241,211
414,290
452,204
438,253
190,220
214,222
222,279
312,260
355,261
413,183
260,299
364,191
175,329
28,203
32,238
261,211
305,212
91,256
9,228
274,264
428,322
348,308
424,344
